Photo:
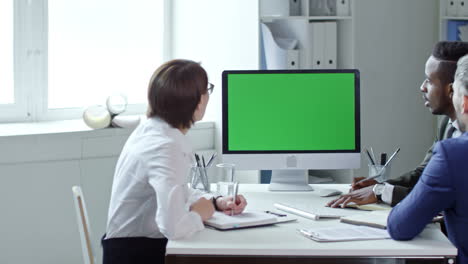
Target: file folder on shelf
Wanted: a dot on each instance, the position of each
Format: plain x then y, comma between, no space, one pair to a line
280,53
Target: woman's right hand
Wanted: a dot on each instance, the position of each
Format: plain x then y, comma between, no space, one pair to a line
204,208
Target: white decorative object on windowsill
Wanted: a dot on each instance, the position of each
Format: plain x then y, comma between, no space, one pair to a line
98,116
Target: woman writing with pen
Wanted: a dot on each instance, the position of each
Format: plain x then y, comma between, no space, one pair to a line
150,200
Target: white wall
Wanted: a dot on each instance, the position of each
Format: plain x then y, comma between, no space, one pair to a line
38,220
223,35
393,39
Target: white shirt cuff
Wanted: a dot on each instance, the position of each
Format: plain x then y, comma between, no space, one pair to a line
387,193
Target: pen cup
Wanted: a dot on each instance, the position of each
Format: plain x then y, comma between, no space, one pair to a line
375,170
198,179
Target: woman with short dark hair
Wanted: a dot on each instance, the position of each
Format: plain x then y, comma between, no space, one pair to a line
150,200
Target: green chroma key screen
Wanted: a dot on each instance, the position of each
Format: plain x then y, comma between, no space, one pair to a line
287,111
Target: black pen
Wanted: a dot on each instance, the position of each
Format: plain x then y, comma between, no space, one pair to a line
370,157
273,213
383,158
211,159
197,159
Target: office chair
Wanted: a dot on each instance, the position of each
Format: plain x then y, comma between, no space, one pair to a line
83,226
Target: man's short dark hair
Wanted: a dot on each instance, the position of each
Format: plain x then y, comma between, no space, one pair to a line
175,90
448,53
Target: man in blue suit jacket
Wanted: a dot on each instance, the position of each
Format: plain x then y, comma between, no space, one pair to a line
443,185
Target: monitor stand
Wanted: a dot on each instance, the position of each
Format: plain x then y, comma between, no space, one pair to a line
289,180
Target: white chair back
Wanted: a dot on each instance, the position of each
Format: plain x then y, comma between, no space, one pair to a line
83,226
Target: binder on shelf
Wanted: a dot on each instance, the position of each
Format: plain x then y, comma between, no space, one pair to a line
280,53
274,7
317,35
330,47
342,7
323,45
462,9
320,8
338,7
452,6
294,7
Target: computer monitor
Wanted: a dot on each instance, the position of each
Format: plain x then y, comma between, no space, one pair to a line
289,121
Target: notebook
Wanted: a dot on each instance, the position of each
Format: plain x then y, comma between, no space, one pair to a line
222,221
345,233
376,219
313,213
370,207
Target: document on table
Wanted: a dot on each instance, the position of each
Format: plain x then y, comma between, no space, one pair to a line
346,233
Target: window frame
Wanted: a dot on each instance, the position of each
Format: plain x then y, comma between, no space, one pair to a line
31,65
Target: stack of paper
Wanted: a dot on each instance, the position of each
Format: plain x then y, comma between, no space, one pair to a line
463,35
347,233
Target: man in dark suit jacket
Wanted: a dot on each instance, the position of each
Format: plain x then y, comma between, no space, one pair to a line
443,184
436,88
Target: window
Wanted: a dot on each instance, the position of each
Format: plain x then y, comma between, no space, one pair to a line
6,53
71,54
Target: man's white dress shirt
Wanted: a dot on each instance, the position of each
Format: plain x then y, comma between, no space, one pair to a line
387,194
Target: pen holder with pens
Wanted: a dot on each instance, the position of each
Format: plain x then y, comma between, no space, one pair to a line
375,170
198,179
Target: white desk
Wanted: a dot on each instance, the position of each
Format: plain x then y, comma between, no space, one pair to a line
281,243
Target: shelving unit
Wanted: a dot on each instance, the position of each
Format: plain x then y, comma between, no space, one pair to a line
446,16
290,18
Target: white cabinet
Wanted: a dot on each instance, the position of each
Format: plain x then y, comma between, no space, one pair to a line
453,23
321,31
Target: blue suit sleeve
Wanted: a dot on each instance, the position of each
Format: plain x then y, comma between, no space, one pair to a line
432,194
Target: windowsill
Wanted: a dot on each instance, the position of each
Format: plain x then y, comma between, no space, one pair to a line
69,126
